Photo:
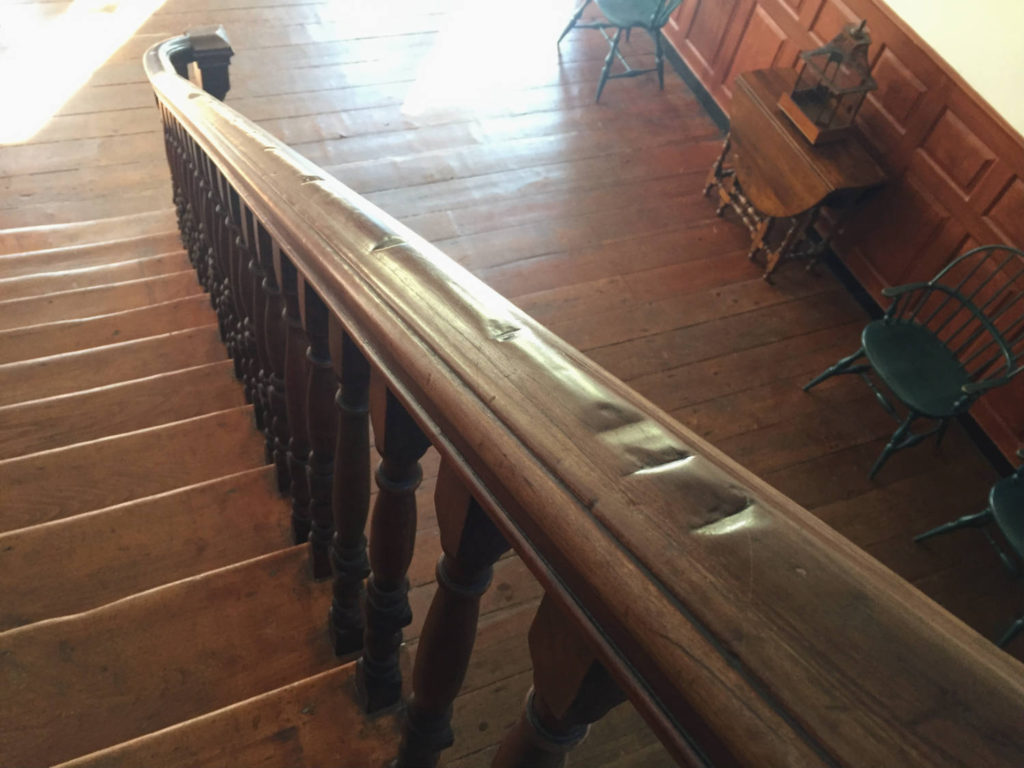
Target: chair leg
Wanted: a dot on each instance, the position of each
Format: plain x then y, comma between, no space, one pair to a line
1015,629
975,520
608,63
837,369
659,50
574,19
898,440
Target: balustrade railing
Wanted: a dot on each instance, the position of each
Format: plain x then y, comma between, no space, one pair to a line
746,632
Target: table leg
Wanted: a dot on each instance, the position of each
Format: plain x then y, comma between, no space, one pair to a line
798,225
715,174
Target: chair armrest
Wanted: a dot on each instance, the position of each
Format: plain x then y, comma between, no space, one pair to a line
898,290
979,387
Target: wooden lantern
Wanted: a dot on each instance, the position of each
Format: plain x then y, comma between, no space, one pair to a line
832,84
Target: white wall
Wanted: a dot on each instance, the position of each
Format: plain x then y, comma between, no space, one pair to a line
981,39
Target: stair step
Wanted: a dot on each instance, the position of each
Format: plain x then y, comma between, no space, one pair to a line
317,722
49,339
99,300
88,476
24,239
110,364
47,572
93,254
314,722
81,683
54,422
186,650
88,277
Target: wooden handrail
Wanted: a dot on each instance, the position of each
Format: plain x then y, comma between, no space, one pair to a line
746,631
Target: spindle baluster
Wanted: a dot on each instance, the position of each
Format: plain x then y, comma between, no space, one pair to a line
571,690
351,495
295,377
400,444
276,338
323,424
471,545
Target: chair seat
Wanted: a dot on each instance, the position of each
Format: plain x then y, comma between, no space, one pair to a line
633,13
916,365
1006,502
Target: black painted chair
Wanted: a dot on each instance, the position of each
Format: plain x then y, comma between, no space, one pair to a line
944,343
623,16
1006,510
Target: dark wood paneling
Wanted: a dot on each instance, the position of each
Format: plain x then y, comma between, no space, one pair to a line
956,167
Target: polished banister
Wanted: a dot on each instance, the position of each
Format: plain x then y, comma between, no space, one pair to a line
745,631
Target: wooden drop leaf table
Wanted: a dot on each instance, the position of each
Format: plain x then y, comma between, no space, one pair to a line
777,181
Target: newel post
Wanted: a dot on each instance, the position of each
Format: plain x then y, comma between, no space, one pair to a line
571,690
471,545
211,53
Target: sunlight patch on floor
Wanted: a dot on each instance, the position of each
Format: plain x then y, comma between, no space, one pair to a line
486,50
46,57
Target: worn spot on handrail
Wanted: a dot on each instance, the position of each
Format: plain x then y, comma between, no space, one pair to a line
729,523
194,95
310,179
388,242
507,335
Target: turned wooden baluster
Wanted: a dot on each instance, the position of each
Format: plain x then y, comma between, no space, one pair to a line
218,283
351,495
323,426
471,545
260,244
295,377
401,444
236,280
248,286
270,337
571,690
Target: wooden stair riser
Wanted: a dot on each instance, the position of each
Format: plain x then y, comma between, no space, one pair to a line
90,368
48,237
100,300
58,338
75,257
88,277
41,425
117,469
139,545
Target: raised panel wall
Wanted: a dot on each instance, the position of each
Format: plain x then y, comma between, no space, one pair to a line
956,169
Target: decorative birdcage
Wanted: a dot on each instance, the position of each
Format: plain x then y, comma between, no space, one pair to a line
831,86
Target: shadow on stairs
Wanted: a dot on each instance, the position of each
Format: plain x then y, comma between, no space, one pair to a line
154,609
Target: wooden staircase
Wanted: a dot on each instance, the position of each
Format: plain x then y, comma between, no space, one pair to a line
153,607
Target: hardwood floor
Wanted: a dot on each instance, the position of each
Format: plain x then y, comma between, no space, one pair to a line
466,123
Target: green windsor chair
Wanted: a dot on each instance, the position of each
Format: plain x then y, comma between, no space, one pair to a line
942,344
1006,510
623,16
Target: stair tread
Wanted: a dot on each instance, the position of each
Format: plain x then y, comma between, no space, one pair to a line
88,255
117,469
54,422
97,300
89,368
87,277
22,239
77,684
163,657
139,545
64,336
314,722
